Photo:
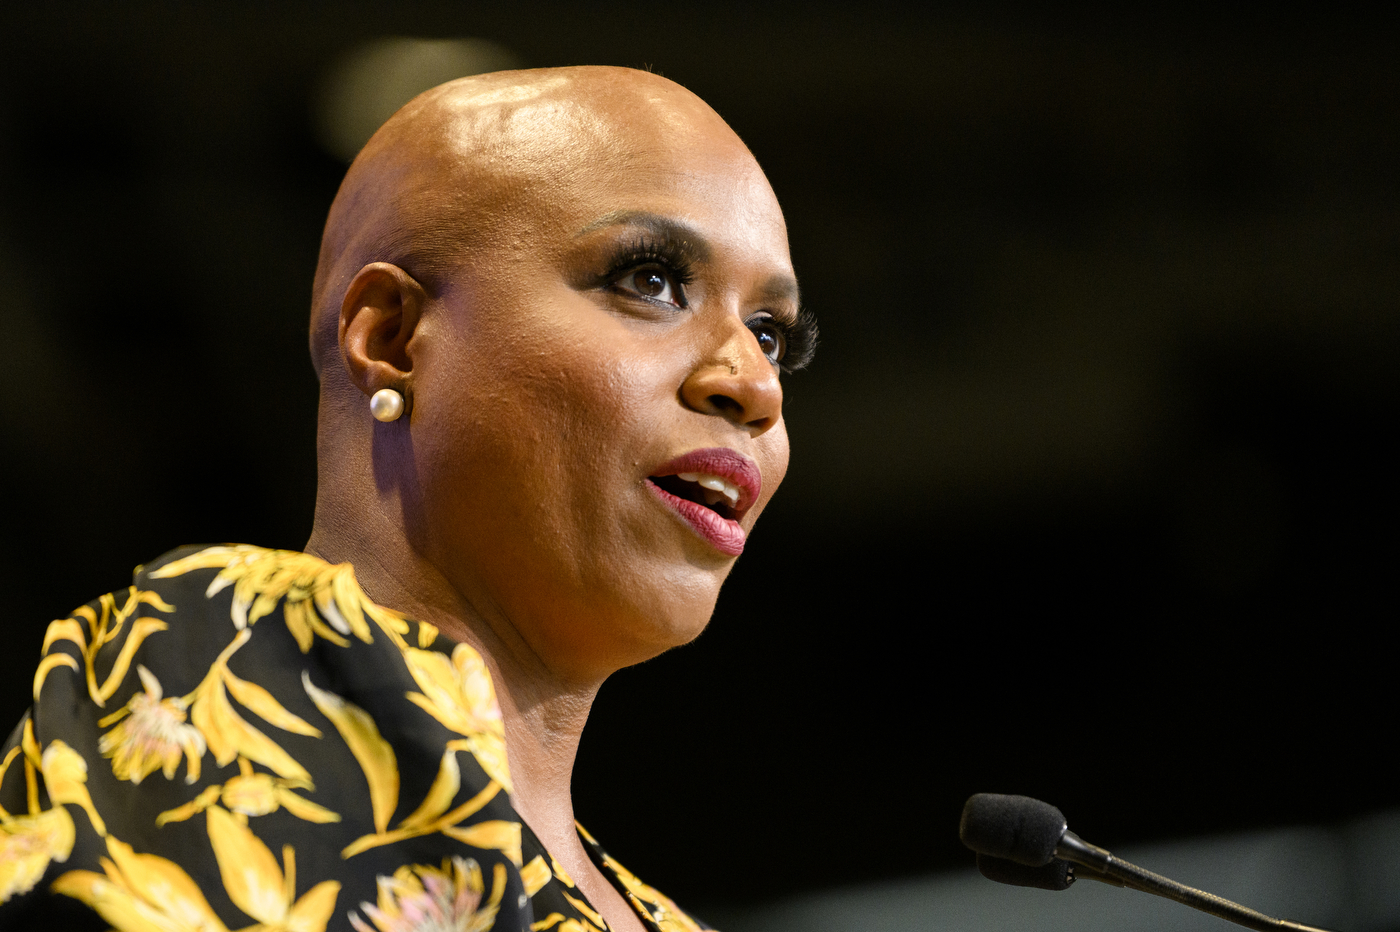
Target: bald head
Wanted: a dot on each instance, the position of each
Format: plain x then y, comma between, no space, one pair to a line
474,163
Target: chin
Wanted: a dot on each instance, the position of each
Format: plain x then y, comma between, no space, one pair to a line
656,634
591,633
669,621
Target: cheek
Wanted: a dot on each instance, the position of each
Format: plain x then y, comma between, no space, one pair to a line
580,398
539,415
772,454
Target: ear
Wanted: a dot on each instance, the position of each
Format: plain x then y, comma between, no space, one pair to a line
378,318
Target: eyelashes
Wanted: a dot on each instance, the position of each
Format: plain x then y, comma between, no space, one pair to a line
675,259
800,338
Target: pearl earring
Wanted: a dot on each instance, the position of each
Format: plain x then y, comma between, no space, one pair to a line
386,405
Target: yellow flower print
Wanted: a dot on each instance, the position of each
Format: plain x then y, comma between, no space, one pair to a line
419,898
259,887
556,921
252,794
147,893
321,600
103,628
535,875
141,893
381,769
228,735
665,913
374,755
257,794
28,843
152,737
65,776
206,798
460,695
587,910
558,870
433,815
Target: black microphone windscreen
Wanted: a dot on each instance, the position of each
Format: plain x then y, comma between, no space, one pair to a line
1016,828
1053,876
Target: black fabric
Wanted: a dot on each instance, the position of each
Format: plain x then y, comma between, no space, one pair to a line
238,703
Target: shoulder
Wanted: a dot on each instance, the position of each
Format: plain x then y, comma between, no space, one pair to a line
245,730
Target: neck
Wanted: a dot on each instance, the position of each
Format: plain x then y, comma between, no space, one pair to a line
544,714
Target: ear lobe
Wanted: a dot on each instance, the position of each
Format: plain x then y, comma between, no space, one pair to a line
378,319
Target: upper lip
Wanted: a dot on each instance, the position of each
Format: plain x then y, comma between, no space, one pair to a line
731,466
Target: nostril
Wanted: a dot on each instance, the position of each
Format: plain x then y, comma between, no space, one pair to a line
760,423
726,405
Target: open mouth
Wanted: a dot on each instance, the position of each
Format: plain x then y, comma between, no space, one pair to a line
710,492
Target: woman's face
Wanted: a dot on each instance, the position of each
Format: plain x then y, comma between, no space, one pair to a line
597,412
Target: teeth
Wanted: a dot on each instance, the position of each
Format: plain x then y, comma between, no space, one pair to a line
713,483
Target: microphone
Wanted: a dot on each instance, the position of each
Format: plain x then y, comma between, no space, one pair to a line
1024,841
1013,828
1057,875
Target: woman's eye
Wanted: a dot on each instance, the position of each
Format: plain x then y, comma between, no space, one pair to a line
770,338
653,283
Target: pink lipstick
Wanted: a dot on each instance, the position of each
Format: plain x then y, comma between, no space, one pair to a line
710,490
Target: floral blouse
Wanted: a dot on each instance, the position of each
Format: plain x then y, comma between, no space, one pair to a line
243,740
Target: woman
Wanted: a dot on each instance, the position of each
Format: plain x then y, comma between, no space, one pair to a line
549,319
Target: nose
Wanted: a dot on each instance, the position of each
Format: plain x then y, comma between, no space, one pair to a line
735,381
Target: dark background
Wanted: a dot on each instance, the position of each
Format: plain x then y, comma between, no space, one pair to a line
1090,498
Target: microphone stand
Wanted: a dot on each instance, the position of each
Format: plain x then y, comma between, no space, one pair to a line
1103,866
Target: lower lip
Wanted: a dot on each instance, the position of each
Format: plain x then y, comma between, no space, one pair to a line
723,534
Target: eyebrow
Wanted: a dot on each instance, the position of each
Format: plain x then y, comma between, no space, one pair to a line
778,288
782,289
659,225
